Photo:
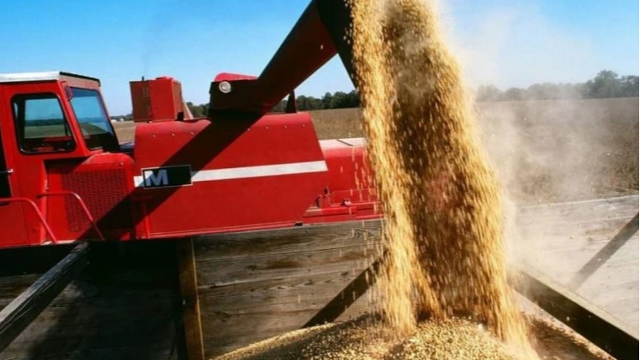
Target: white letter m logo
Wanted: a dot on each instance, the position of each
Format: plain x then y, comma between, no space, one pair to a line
156,177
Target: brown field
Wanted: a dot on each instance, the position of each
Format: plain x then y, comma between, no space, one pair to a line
545,151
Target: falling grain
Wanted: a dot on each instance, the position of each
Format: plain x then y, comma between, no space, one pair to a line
440,197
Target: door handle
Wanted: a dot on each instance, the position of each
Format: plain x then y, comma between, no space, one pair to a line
6,172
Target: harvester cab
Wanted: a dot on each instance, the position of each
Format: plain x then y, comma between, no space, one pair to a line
45,118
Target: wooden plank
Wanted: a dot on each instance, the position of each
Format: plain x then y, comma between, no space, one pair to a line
603,330
285,241
613,282
604,254
191,307
558,240
300,264
16,316
349,295
585,210
12,286
155,351
260,284
121,306
91,324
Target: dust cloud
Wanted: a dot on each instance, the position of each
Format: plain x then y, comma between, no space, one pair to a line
545,151
558,151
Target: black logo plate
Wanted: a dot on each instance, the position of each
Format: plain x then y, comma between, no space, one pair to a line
166,176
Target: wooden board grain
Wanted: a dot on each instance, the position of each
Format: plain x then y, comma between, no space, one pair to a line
559,240
190,302
260,284
122,306
20,312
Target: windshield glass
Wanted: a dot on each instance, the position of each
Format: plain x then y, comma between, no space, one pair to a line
92,118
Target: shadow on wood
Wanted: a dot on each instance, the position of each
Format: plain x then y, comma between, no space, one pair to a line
124,305
260,284
602,329
16,316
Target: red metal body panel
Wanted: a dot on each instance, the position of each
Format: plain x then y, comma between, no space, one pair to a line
350,173
83,206
103,182
243,178
233,77
159,99
349,194
13,224
36,211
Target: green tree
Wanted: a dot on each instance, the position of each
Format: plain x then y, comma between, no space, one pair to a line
327,100
488,93
280,107
629,86
339,100
198,110
605,85
353,99
513,94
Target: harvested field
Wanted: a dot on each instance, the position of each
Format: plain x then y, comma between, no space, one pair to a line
546,151
125,131
554,151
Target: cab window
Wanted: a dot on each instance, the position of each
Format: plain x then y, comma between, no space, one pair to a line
41,124
92,118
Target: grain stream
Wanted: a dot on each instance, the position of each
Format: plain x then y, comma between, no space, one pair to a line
441,198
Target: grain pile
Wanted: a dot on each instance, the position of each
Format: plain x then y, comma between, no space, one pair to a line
450,339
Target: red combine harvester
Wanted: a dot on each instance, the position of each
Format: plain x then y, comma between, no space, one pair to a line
65,177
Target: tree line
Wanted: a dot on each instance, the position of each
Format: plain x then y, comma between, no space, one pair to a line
336,100
606,84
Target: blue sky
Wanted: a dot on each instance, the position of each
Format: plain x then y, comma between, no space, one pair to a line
503,42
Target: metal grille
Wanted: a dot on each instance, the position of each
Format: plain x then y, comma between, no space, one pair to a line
104,192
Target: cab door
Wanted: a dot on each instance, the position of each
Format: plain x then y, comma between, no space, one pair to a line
12,220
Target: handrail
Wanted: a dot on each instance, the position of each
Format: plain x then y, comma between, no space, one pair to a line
82,204
38,212
22,310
